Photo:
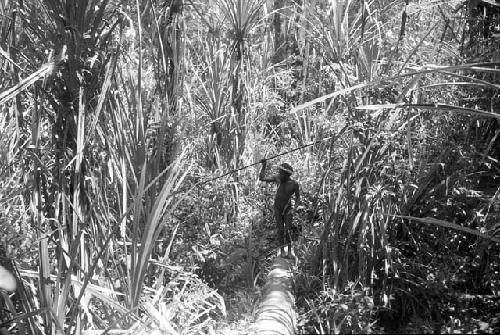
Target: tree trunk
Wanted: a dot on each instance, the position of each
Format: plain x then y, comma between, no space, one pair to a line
276,312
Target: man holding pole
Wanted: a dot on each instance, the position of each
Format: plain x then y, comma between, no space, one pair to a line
283,208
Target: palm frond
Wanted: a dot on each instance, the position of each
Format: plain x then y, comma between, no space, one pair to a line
435,106
427,69
44,71
447,224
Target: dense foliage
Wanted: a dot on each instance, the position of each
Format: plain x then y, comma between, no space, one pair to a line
130,134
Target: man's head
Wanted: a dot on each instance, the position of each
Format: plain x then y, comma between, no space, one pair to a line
285,171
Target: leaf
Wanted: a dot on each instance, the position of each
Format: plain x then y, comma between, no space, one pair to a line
447,224
12,92
437,106
426,69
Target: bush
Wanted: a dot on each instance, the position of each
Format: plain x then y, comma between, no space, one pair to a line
349,312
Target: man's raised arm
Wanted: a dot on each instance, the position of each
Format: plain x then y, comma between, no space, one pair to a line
262,174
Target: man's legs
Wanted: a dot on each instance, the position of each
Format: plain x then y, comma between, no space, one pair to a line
278,216
287,218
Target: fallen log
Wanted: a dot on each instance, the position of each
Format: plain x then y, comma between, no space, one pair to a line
7,280
276,312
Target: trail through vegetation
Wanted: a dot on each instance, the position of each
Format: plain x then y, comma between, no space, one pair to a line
130,139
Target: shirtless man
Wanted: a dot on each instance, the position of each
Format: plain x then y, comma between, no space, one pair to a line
282,201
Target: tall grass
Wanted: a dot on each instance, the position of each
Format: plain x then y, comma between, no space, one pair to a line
356,244
106,217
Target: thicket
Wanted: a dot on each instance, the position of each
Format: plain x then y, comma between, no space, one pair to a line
117,119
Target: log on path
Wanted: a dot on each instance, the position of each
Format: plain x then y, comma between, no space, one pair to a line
7,280
276,312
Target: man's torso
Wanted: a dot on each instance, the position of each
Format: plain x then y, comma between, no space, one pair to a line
284,194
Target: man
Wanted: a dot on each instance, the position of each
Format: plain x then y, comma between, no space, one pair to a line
282,201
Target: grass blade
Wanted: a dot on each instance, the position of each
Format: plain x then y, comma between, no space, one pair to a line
451,225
